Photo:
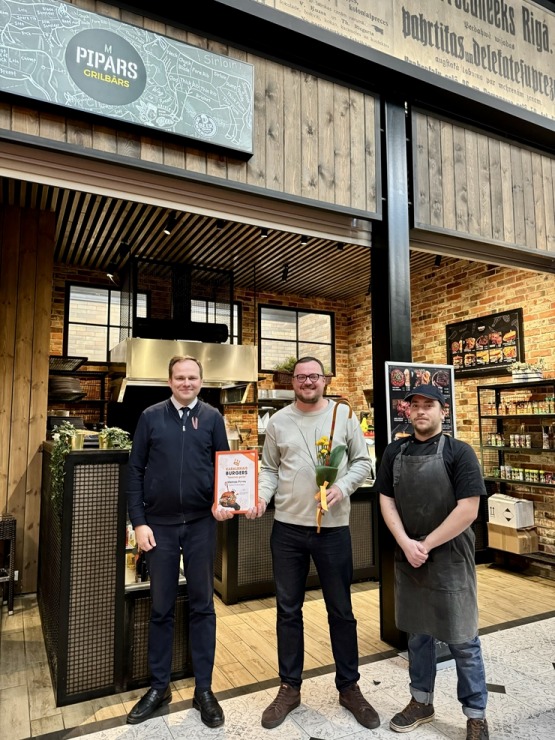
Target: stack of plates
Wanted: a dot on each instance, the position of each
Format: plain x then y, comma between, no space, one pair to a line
64,388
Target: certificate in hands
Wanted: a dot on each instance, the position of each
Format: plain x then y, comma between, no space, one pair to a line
236,480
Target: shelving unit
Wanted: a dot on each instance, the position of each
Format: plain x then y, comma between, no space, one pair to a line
517,436
92,407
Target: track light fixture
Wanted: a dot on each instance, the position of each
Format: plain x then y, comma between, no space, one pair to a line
340,246
437,261
220,223
304,240
111,271
285,272
170,224
263,232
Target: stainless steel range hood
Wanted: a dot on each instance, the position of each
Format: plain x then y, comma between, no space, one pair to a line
144,362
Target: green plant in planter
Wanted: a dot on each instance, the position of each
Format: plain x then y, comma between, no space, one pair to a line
62,436
527,370
286,366
115,438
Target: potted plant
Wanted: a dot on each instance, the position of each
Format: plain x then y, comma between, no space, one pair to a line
63,437
283,371
114,438
526,371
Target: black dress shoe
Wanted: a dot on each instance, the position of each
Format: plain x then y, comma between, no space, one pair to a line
211,712
149,703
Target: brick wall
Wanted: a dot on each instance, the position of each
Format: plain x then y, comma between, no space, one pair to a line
455,291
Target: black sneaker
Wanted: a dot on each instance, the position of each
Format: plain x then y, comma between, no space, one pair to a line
413,714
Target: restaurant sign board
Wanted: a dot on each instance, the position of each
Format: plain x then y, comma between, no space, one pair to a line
55,52
503,48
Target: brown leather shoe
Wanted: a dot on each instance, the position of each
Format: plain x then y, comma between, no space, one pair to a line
364,713
286,700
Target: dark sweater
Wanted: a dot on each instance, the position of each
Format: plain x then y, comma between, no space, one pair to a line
171,466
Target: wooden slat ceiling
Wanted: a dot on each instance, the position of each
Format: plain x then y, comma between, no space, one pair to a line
92,228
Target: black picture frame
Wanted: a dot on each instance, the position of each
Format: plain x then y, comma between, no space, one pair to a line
485,345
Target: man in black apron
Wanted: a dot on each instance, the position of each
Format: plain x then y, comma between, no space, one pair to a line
430,486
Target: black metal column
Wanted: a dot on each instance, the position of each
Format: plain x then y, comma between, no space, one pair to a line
391,319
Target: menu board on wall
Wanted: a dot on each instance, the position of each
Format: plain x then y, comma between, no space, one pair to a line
487,345
402,377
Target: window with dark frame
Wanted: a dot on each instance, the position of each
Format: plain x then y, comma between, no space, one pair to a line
292,332
217,312
92,320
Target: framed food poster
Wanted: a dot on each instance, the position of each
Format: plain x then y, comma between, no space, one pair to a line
487,345
402,377
236,480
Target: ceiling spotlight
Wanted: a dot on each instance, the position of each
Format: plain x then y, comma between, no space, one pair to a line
263,232
285,272
220,223
340,247
111,272
437,261
304,240
170,225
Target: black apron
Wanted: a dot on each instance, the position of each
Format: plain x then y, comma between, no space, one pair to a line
438,598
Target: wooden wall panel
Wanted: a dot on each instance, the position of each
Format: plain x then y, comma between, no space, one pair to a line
298,121
9,269
475,185
26,248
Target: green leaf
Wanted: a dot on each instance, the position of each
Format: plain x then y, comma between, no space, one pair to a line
336,455
325,473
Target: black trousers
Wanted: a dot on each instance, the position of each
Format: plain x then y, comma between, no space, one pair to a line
292,547
196,541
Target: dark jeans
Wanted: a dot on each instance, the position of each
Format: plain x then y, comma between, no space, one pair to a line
292,546
197,542
471,678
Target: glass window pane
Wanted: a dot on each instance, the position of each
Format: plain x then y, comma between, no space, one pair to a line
274,353
87,341
89,305
141,306
198,311
114,337
314,327
321,351
115,301
277,323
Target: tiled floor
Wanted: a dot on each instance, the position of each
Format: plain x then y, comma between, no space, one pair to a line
519,668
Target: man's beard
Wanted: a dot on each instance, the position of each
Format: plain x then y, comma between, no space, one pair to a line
314,399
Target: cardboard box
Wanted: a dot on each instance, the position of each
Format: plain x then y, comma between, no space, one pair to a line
510,512
509,539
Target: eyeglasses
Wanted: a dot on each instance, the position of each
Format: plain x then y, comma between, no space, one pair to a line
313,377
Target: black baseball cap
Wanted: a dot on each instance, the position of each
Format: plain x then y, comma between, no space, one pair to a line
428,391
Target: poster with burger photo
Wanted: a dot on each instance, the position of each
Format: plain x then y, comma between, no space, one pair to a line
486,345
403,377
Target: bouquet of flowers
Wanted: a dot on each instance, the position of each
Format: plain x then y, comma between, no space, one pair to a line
328,462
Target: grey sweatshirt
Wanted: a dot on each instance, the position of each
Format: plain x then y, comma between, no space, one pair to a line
289,458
